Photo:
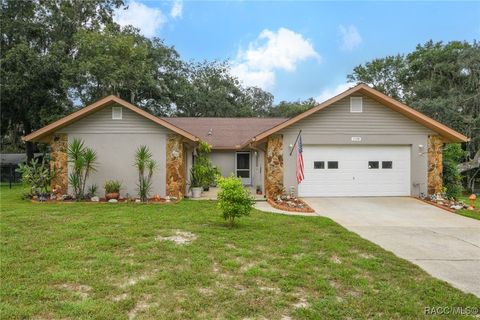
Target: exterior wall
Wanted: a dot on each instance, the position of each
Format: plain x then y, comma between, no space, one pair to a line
435,164
274,164
224,160
376,125
115,142
176,180
101,122
59,162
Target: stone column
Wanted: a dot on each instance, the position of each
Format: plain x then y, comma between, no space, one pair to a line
435,164
59,162
274,166
175,166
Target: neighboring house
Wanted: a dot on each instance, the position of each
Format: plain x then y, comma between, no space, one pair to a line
358,143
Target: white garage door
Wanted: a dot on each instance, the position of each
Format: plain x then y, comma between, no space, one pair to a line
335,171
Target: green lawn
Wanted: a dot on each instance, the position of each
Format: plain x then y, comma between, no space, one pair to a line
105,261
469,213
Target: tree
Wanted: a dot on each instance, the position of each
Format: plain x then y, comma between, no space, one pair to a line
209,90
256,102
124,63
384,74
58,53
290,109
37,45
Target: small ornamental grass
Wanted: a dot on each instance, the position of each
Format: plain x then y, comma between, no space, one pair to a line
112,186
233,199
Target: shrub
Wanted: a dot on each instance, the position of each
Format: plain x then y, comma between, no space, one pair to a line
145,166
112,186
37,176
83,162
92,190
452,179
233,199
202,173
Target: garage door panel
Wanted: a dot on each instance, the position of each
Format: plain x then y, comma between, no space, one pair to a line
353,176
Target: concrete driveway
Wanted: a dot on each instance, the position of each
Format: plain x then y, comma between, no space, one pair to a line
444,244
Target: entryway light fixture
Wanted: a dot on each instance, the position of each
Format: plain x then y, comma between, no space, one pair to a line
421,149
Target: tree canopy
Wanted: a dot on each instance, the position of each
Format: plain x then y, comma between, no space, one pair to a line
57,55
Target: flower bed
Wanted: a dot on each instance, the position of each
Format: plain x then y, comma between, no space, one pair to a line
449,205
70,199
289,203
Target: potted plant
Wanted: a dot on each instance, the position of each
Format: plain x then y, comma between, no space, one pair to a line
196,180
112,189
259,190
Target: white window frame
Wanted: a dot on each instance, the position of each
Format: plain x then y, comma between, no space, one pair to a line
117,113
356,99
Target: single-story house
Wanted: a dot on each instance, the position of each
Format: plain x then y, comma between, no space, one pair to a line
358,143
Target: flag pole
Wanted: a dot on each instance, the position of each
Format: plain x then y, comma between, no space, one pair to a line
296,140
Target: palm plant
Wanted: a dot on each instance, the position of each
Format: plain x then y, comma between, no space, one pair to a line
146,166
83,162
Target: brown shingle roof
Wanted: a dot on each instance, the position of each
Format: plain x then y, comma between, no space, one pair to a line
225,133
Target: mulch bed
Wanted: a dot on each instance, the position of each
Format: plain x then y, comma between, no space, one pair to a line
292,204
104,200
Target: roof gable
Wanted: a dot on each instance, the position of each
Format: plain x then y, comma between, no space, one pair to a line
100,104
447,133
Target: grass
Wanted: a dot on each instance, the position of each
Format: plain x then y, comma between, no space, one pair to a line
475,214
105,261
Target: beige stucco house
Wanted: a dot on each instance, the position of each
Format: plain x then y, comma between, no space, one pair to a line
358,143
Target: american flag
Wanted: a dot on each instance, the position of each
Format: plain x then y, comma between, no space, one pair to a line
300,174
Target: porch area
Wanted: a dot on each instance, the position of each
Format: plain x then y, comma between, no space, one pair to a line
211,194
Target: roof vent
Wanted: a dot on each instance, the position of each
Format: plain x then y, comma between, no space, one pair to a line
356,104
116,113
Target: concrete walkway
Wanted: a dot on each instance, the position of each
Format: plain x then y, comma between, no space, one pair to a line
444,244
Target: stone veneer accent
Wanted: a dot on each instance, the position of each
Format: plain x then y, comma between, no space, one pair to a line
274,166
435,164
59,162
175,166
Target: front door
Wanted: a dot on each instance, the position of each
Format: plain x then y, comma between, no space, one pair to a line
242,167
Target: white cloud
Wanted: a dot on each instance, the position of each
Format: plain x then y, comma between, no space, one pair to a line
177,9
330,92
271,51
148,20
350,37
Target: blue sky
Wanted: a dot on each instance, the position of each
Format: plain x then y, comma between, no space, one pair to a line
298,50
